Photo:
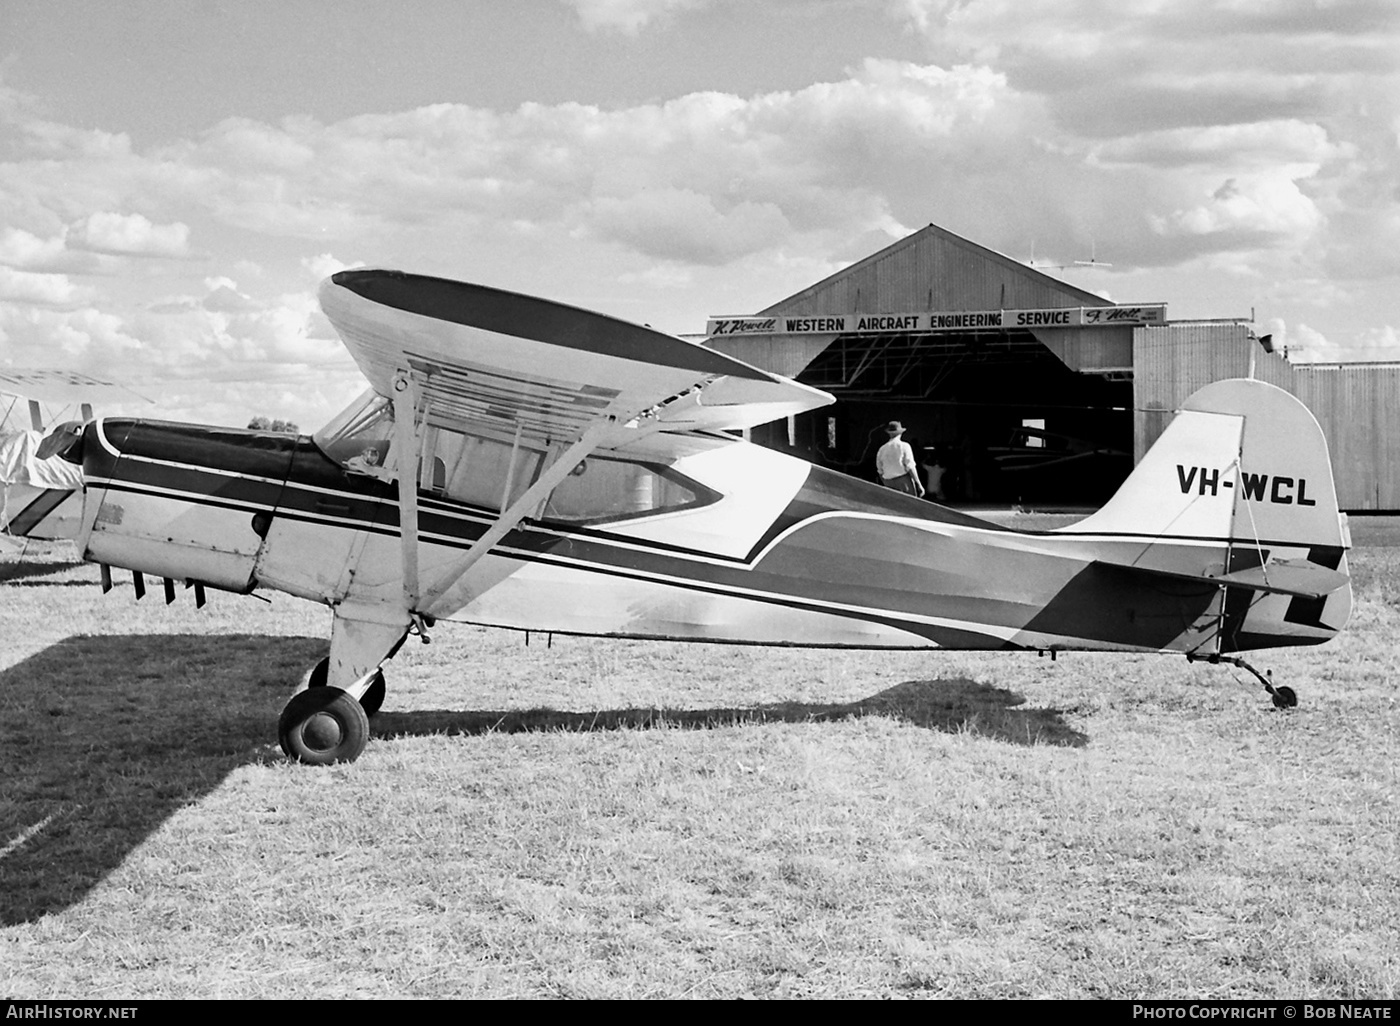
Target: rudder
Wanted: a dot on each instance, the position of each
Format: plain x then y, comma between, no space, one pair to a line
1238,490
1243,461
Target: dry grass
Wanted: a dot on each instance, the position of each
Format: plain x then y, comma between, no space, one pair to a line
618,819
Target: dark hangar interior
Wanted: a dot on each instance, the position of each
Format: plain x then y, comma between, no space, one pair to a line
1018,389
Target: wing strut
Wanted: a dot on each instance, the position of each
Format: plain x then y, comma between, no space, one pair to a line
455,589
408,440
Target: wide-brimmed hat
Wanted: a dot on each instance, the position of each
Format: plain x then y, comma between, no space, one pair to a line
894,427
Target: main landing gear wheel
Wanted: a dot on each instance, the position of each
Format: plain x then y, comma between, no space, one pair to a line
373,697
322,725
1285,697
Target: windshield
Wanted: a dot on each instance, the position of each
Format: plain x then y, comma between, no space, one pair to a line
358,437
492,473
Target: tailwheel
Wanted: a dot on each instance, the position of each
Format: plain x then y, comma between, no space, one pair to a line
322,725
373,697
1283,696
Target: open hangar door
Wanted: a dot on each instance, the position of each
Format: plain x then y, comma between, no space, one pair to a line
994,417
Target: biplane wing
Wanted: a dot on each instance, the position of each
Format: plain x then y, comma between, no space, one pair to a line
532,372
61,387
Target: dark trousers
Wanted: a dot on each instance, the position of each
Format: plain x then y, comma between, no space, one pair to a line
904,483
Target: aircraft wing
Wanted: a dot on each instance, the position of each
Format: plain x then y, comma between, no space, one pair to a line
57,386
500,364
496,361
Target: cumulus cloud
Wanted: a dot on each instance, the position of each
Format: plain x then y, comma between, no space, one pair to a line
1304,343
38,289
1384,341
96,341
52,141
1252,208
237,334
323,265
1289,146
129,235
26,251
628,16
224,297
712,177
221,335
1189,135
839,157
22,249
680,224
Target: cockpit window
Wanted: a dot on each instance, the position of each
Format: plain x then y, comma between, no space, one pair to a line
475,469
359,438
603,489
494,472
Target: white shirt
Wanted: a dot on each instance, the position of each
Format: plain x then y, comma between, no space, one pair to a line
895,459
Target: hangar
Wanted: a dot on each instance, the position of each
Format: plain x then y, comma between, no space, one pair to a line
1016,387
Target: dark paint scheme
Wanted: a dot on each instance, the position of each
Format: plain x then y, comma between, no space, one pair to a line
890,570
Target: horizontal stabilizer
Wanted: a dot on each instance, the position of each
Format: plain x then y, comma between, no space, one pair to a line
1297,577
1288,577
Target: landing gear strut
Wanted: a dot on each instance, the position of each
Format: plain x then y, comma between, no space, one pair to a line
373,697
1283,696
328,721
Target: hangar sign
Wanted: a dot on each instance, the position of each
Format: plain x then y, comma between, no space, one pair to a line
959,320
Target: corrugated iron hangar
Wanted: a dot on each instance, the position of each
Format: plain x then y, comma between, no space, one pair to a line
1015,387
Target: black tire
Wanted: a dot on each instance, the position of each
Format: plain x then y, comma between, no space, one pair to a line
323,725
317,677
373,697
1285,697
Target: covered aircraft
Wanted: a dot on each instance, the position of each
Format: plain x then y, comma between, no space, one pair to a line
40,495
525,464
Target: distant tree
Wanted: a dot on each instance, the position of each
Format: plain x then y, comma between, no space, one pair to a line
281,427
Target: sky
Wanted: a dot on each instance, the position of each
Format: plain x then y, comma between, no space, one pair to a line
177,176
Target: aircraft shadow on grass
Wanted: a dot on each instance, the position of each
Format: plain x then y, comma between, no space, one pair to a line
952,705
22,574
103,738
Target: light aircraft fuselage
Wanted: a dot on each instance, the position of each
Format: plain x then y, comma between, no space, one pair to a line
526,464
754,546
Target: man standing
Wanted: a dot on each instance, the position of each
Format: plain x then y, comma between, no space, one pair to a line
895,465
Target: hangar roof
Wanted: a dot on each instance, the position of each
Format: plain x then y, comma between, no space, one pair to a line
935,269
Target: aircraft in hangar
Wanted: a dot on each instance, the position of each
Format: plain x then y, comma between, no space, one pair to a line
524,464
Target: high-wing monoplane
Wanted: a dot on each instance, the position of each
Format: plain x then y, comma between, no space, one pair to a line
520,463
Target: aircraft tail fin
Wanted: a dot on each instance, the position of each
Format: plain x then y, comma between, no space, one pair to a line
1238,491
1243,461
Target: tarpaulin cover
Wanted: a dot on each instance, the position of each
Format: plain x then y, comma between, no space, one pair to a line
19,465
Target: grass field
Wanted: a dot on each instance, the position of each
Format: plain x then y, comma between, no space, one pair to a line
609,819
